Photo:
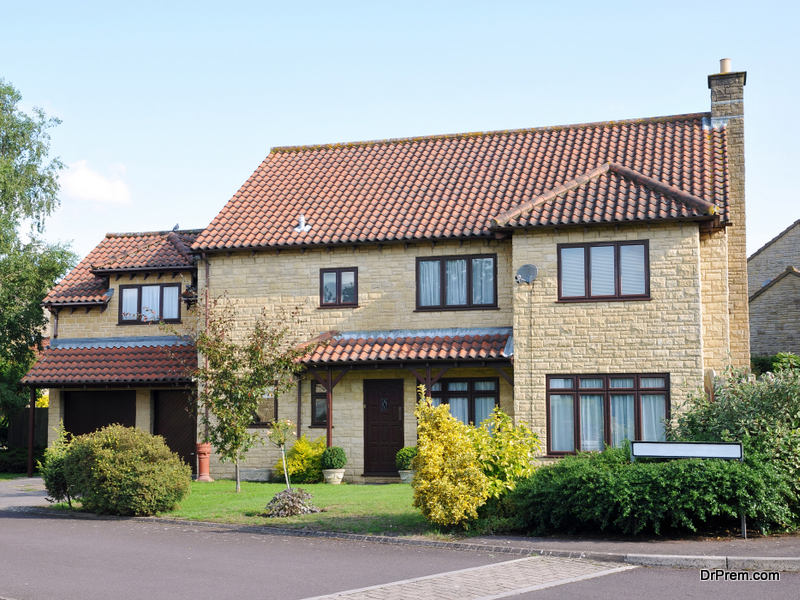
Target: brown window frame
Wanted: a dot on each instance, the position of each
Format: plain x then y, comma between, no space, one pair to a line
443,283
338,303
606,391
268,423
139,320
617,296
318,396
444,395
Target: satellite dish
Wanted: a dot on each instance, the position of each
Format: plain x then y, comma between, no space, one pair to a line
526,274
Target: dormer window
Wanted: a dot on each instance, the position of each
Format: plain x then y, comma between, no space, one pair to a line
149,303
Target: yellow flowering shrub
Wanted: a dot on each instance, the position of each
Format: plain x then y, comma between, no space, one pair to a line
303,461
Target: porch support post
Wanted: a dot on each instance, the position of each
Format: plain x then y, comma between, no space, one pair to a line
329,399
31,420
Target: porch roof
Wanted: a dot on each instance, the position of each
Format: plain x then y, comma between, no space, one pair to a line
411,345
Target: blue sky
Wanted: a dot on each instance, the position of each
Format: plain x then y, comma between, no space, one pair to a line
168,107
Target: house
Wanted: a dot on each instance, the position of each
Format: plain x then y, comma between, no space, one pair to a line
108,360
774,288
403,255
413,262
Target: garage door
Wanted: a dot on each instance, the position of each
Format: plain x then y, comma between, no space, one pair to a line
85,412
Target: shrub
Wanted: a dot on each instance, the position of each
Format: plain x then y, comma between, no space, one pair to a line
404,458
290,502
449,484
125,471
605,491
15,460
52,468
333,458
505,452
304,461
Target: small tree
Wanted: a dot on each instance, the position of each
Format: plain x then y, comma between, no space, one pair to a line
279,434
235,373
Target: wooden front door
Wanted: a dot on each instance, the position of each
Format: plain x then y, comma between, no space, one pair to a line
383,425
175,421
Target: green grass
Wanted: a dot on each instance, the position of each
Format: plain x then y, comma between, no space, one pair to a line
7,476
364,509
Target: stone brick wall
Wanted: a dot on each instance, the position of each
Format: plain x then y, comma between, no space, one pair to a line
714,300
772,260
663,334
775,317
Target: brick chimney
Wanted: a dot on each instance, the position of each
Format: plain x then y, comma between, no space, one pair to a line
727,110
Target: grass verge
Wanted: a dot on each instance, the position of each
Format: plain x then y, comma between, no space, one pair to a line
363,509
7,476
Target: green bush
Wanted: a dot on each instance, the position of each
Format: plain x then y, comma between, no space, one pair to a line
15,460
449,484
606,491
52,468
125,471
303,460
334,458
777,362
405,457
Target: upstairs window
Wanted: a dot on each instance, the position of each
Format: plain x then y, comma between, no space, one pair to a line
338,287
457,282
150,303
603,271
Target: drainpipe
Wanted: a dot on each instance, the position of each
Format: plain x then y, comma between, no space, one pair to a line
204,449
31,420
299,405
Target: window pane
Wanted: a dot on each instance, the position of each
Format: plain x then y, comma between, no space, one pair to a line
592,430
622,382
265,411
483,281
320,416
436,401
456,277
622,419
348,287
573,277
483,408
436,387
591,383
459,408
429,283
457,386
485,385
602,268
130,304
151,302
562,423
653,382
171,300
561,383
631,269
329,288
654,409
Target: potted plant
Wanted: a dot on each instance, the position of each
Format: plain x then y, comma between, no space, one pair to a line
333,461
403,460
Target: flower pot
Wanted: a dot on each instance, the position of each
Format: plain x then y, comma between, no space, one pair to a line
333,476
406,475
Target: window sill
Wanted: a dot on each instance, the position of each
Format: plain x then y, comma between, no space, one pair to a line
455,308
319,427
170,322
330,306
583,300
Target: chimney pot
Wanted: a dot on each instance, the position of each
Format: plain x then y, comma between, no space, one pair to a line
725,65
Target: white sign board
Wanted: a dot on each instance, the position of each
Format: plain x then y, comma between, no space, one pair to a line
724,450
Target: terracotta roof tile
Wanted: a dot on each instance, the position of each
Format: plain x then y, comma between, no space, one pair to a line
451,186
411,345
112,365
122,252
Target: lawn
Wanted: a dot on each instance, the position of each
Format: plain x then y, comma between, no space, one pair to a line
364,509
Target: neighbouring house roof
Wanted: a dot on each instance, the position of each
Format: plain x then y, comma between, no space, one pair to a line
452,186
496,343
773,240
122,253
112,361
786,273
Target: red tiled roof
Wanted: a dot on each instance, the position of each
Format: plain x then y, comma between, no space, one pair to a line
121,252
111,365
452,186
385,346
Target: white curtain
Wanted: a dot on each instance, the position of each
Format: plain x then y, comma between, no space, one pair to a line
592,430
151,302
631,269
573,276
602,265
171,303
459,408
130,304
456,276
562,423
429,283
483,281
623,426
654,409
483,409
